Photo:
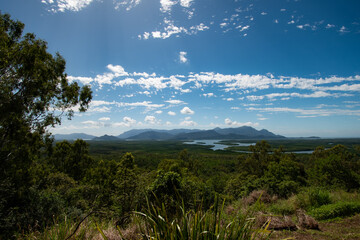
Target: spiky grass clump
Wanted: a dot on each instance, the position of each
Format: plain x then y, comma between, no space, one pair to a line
198,224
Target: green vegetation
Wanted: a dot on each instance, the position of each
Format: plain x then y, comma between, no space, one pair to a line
336,210
145,190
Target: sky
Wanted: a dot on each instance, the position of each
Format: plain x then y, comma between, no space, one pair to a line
289,66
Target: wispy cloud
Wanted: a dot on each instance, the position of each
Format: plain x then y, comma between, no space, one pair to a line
128,4
308,112
188,123
66,5
230,123
296,87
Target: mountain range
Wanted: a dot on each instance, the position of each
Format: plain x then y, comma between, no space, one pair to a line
178,134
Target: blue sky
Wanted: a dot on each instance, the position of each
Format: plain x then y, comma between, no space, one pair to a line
289,66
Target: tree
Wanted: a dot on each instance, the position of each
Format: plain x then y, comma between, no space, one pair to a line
125,183
34,95
34,90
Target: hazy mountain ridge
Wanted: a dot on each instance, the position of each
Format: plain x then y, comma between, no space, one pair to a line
182,134
74,136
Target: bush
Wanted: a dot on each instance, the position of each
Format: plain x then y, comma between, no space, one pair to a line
340,209
313,198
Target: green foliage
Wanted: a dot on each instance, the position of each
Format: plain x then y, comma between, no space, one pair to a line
313,197
125,185
283,207
242,185
284,177
340,209
333,171
72,159
166,184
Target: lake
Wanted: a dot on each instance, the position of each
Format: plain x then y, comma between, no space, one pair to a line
217,145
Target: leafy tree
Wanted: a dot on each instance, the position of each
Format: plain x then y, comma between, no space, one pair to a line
72,159
34,92
166,190
34,95
332,171
125,183
256,162
284,177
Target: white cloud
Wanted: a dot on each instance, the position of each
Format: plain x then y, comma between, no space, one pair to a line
176,83
83,80
159,112
187,110
127,122
171,113
174,101
129,4
67,5
343,29
92,124
208,95
182,57
309,112
317,94
146,104
166,5
231,123
152,82
126,81
200,27
102,109
104,119
186,3
188,123
171,29
224,24
150,119
330,26
244,28
117,69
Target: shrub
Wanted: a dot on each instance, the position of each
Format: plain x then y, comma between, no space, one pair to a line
340,209
313,198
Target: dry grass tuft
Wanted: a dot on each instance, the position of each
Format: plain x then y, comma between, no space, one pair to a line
255,195
276,222
305,221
